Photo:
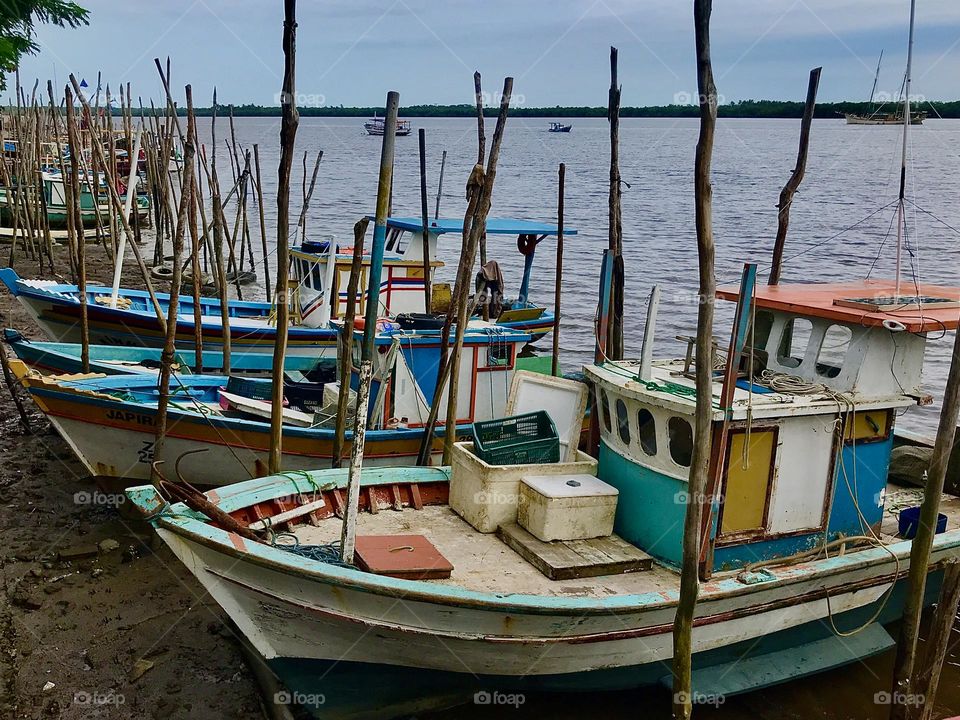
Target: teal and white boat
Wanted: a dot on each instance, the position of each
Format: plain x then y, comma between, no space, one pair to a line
804,561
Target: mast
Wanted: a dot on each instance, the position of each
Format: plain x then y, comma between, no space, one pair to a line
876,77
903,154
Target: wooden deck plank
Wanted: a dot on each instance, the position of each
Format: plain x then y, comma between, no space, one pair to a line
561,560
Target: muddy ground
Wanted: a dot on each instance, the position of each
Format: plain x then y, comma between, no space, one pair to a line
97,619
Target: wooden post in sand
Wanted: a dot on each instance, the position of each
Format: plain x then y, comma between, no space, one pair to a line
74,210
928,676
615,223
345,365
700,461
558,283
790,189
183,215
288,135
424,220
263,224
348,536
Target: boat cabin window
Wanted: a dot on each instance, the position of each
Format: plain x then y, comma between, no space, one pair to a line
794,341
498,356
681,441
605,410
647,428
310,275
397,241
623,422
833,350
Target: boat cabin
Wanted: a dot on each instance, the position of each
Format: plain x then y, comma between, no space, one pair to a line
325,264
405,374
808,433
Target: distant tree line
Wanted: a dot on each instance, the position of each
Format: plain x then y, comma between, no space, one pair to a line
740,109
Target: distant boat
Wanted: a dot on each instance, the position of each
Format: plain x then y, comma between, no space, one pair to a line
875,117
559,127
376,126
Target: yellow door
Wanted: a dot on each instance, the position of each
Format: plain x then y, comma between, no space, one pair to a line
748,480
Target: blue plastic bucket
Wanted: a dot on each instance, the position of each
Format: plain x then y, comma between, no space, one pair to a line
910,521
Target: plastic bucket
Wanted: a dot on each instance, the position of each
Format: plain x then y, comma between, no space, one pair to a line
910,521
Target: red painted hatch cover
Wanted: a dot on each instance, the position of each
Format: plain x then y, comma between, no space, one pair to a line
402,556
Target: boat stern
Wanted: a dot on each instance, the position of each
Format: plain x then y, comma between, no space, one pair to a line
11,280
147,501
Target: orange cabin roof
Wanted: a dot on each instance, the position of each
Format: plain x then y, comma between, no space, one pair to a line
820,300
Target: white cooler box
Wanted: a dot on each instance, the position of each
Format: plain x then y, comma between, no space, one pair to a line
486,496
566,507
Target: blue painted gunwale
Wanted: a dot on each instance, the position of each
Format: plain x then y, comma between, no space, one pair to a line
181,520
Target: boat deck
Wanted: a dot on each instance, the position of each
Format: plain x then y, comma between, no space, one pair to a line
483,562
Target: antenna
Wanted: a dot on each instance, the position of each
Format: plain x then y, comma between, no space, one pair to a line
903,154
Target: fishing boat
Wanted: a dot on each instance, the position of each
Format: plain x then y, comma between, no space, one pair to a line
235,438
133,320
556,127
805,561
377,126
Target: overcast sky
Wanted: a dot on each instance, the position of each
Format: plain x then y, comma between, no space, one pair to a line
351,52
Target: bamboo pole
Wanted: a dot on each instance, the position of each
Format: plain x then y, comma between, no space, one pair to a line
263,224
615,224
348,536
384,187
481,148
169,344
288,135
346,339
477,230
74,209
790,189
117,207
700,461
939,638
425,220
219,270
308,195
555,365
920,548
443,165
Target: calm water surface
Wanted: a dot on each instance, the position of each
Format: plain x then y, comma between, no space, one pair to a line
852,173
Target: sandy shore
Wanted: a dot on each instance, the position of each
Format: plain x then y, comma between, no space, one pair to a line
99,620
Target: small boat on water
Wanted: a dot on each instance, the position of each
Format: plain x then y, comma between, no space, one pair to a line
377,126
133,322
235,437
556,127
877,116
805,559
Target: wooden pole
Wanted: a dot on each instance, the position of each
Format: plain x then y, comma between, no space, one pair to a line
348,536
558,283
183,214
920,548
699,466
74,210
118,208
615,225
443,165
346,339
790,189
218,227
425,221
481,148
263,224
384,185
477,230
939,638
288,136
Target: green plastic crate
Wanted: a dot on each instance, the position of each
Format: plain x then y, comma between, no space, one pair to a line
253,388
518,440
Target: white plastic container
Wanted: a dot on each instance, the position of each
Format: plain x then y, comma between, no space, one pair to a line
566,507
486,496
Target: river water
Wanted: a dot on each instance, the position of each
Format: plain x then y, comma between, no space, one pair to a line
851,182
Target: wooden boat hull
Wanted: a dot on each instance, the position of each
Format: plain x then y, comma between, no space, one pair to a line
56,309
233,449
358,645
853,119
